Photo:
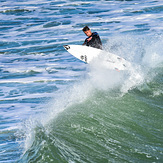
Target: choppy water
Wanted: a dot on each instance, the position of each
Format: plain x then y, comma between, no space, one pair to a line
55,108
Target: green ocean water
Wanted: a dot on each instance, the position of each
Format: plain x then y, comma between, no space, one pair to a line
103,126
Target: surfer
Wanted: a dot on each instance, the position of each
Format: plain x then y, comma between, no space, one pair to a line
93,39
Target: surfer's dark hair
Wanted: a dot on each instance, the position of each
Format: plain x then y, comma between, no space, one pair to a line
86,28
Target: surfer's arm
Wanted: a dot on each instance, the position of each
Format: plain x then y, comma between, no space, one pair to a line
85,42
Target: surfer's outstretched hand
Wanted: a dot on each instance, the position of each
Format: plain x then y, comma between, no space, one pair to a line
89,39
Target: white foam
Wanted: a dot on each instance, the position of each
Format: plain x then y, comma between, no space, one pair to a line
153,53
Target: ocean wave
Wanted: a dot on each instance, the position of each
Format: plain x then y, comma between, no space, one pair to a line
106,112
97,123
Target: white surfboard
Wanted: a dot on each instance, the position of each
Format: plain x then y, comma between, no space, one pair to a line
87,54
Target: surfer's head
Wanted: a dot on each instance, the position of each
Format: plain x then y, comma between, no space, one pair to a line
87,31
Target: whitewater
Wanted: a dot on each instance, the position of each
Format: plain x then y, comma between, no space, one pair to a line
55,108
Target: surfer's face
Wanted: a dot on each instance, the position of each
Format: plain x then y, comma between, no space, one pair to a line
88,33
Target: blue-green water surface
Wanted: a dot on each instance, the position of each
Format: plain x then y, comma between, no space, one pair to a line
55,108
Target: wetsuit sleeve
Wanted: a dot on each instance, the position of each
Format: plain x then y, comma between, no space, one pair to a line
96,40
85,42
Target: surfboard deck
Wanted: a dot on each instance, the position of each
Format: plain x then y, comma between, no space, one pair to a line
87,54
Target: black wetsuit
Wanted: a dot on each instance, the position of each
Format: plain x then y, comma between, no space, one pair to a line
94,42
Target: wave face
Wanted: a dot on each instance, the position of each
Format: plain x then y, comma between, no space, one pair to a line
55,108
89,124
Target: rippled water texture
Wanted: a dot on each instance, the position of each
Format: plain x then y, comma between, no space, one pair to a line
55,108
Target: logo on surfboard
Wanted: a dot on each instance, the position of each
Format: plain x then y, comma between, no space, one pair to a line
66,47
83,58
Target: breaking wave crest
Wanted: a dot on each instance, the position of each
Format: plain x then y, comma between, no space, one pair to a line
106,114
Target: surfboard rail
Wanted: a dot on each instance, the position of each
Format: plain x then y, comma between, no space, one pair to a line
87,54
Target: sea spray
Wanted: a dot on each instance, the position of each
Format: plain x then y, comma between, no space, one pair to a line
153,56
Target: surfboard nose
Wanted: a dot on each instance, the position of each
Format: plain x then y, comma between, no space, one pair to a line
66,47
